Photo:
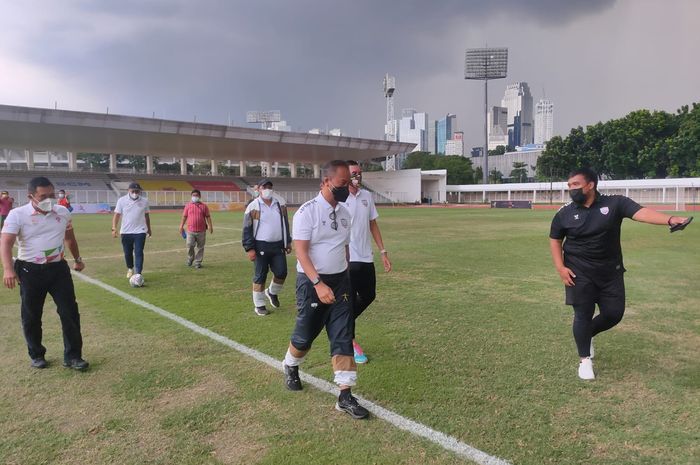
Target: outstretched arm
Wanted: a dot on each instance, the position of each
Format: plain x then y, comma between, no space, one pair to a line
647,215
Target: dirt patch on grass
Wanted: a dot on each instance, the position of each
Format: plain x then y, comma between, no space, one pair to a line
212,386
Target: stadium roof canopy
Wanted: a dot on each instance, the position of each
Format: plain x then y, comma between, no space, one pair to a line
75,131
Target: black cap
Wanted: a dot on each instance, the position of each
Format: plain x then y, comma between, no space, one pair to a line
264,181
135,186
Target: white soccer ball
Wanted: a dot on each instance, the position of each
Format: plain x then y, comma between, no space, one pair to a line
136,280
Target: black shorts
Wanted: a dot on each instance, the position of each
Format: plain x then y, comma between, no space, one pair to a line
313,315
269,256
605,290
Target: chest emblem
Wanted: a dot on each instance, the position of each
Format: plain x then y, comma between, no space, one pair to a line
604,210
365,203
576,216
344,222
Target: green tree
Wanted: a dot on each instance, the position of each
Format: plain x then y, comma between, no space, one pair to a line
499,150
519,172
495,176
459,169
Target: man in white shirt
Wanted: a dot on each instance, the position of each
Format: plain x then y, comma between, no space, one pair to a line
43,229
364,227
321,233
267,241
133,211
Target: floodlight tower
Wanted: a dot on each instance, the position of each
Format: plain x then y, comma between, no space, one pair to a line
389,127
265,118
483,64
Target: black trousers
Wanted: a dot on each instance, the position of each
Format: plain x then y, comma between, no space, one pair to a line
606,291
363,281
36,281
269,256
313,315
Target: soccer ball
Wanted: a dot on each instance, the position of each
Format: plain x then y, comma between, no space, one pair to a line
136,280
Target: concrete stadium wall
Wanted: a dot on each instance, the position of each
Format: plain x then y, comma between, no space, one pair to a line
402,186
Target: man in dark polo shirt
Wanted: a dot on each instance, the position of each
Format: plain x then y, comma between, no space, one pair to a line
585,246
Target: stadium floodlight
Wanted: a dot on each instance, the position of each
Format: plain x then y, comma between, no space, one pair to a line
483,64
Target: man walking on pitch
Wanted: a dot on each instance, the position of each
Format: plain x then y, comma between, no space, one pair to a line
364,228
321,237
133,211
267,241
43,229
585,247
196,215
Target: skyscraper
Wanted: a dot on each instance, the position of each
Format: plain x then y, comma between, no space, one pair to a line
498,127
432,146
444,132
544,121
518,101
413,128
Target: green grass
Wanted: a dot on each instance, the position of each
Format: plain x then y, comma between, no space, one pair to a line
468,335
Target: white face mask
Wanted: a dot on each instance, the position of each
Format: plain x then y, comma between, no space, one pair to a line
134,195
60,196
195,199
45,205
266,194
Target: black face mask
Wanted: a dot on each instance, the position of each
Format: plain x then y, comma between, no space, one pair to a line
340,194
577,196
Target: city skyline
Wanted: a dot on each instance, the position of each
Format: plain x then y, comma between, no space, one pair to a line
213,61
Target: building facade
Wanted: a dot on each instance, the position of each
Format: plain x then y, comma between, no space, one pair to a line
518,102
544,121
443,132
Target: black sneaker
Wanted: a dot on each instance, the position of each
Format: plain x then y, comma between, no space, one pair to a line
291,378
198,265
352,408
262,311
39,362
76,364
274,300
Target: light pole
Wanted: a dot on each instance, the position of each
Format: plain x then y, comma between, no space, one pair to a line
483,64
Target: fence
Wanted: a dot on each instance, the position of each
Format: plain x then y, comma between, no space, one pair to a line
678,198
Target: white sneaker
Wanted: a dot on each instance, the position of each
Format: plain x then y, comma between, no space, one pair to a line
592,351
585,369
129,273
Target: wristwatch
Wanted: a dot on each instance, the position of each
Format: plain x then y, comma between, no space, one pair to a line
78,260
316,281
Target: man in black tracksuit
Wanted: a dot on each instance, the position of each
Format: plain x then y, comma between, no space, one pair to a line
585,247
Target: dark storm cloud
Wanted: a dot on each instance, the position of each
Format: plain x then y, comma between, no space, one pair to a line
320,62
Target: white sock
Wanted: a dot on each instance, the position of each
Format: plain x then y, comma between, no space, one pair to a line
345,378
275,288
292,361
258,299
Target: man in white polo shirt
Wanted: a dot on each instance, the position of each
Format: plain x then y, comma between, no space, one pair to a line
321,233
43,229
364,228
136,224
267,241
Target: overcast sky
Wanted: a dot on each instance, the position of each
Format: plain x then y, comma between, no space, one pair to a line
321,62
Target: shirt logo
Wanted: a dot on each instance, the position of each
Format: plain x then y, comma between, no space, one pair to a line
575,217
365,203
604,210
344,222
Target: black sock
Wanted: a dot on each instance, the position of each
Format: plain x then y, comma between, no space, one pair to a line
345,394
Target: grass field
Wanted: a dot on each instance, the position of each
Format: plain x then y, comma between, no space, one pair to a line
469,336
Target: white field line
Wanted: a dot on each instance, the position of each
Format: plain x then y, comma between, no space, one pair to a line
150,252
447,442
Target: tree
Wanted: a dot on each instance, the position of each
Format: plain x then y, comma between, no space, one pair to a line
642,144
495,176
499,150
519,172
459,169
